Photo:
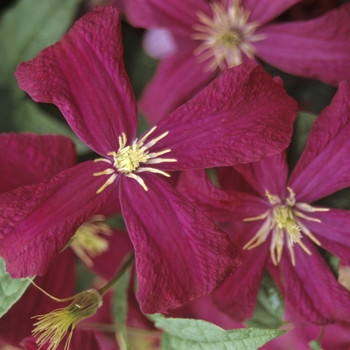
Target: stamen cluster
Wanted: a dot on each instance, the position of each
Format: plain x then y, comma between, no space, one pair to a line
128,159
225,36
53,327
282,220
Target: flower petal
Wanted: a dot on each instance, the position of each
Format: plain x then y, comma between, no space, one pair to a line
180,254
218,204
107,264
263,11
311,291
270,173
328,144
84,76
333,232
318,48
242,116
178,78
28,158
178,16
237,295
38,220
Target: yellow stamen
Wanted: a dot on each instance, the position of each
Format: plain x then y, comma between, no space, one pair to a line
53,327
129,160
282,219
87,242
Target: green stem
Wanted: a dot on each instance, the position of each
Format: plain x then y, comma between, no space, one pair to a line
126,263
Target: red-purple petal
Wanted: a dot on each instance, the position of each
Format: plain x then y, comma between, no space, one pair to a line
270,173
84,76
263,11
180,254
237,295
218,204
311,291
241,117
318,48
28,158
177,79
38,220
107,264
324,167
333,232
178,16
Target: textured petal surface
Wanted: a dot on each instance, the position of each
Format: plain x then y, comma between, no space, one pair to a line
318,48
27,158
107,264
263,11
84,76
177,79
178,16
333,232
311,291
59,281
242,116
237,295
180,254
270,174
218,204
38,220
324,166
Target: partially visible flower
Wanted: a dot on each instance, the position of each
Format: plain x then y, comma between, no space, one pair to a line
87,242
241,117
211,36
277,227
55,325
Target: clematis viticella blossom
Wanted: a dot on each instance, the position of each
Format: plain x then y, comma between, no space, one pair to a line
180,254
206,37
272,219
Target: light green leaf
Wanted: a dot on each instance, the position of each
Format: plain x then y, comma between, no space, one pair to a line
29,117
30,26
269,306
120,309
10,289
315,345
184,334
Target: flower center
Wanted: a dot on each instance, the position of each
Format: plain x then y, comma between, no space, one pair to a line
131,159
225,36
282,220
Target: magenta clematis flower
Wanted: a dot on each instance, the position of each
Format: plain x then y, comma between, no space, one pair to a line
277,226
209,36
180,254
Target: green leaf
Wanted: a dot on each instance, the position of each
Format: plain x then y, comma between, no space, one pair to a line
120,309
30,26
10,289
28,116
269,307
315,345
184,334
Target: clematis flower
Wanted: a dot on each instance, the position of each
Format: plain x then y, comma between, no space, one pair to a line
180,254
210,36
277,226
